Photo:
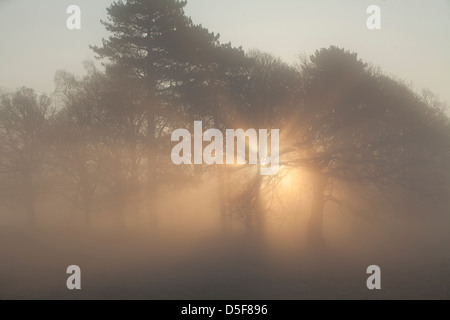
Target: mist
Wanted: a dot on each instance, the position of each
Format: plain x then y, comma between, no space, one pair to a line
88,176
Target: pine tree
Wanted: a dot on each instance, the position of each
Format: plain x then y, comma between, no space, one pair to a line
158,61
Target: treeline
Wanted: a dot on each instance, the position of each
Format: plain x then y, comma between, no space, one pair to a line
102,142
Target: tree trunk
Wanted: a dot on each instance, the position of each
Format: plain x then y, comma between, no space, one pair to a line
29,197
315,239
225,223
87,208
152,183
31,211
86,194
259,210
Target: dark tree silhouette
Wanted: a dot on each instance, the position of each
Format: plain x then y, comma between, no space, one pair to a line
340,119
153,52
79,135
261,93
359,126
23,126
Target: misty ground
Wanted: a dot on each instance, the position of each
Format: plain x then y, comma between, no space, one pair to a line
132,264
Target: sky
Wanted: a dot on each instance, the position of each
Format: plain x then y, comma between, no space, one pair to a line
413,43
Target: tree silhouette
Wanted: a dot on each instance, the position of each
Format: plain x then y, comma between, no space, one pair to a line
154,52
23,126
79,131
359,126
340,120
261,93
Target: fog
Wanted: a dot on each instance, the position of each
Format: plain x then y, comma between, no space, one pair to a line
188,257
92,175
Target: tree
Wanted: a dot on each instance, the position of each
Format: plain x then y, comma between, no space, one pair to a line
78,132
261,93
23,126
154,51
361,127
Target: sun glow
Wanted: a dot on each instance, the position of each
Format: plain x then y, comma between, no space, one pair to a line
289,183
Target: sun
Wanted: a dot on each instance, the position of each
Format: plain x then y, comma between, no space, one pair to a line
288,181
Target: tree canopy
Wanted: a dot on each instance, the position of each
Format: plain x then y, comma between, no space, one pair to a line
108,145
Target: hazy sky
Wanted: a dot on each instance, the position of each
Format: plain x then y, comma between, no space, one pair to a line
413,44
